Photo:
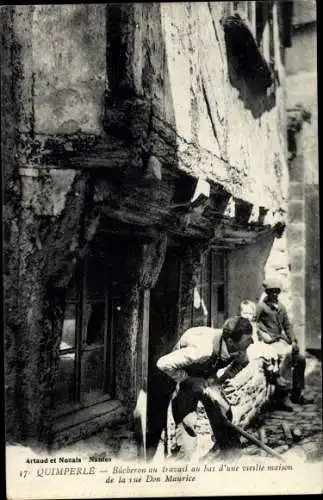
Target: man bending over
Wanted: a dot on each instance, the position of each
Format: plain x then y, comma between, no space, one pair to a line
193,364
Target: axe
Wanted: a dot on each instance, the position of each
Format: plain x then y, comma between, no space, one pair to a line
256,441
218,399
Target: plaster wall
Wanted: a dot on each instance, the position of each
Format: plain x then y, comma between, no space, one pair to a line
191,90
69,67
246,272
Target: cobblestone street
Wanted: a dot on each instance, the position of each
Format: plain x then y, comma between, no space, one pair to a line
307,419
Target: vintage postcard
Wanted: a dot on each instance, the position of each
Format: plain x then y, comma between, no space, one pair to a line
161,249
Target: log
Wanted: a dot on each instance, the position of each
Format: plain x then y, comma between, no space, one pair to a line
248,392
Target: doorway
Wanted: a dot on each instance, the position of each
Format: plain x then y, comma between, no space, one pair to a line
163,335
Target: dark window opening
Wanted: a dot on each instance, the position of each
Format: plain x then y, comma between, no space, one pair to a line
163,329
209,305
221,299
86,360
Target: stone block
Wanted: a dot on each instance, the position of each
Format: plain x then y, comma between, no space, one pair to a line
283,277
297,260
298,308
296,169
299,303
299,331
296,191
296,234
298,284
243,211
295,211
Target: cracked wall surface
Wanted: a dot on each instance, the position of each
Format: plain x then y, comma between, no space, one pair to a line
191,92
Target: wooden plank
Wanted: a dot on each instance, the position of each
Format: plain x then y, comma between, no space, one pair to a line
87,414
80,330
145,339
140,412
109,159
238,233
223,246
180,297
236,240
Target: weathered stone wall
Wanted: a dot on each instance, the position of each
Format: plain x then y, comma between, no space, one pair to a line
45,211
11,209
303,206
296,245
302,90
45,263
313,275
303,245
303,42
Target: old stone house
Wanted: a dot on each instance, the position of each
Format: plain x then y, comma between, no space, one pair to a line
145,190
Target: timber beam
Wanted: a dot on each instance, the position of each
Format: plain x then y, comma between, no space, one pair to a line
77,151
187,207
141,172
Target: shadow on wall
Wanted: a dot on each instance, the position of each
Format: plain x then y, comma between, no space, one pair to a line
246,272
249,72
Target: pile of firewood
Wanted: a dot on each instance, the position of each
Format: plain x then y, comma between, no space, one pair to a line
249,390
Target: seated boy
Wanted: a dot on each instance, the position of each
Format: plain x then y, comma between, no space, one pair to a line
274,328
